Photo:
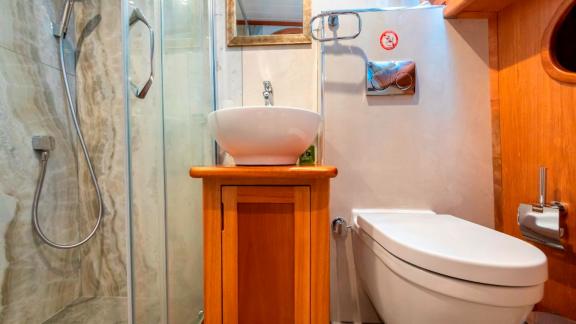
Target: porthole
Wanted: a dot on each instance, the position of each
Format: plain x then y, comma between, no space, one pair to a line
559,45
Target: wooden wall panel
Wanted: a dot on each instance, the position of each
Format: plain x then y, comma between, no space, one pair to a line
495,116
538,127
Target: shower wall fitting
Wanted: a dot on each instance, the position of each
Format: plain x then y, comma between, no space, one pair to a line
61,35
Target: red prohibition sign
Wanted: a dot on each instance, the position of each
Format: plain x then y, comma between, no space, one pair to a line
389,40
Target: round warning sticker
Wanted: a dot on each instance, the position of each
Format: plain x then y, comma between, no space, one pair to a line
389,40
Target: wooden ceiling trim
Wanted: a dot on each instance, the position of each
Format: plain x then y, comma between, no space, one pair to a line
455,8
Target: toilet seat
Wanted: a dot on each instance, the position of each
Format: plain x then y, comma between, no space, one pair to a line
454,247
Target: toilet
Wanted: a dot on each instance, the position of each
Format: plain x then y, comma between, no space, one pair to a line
421,267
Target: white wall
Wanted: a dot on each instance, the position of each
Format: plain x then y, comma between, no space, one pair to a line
431,150
240,71
291,69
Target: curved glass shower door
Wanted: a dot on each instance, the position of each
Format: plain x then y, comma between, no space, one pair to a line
167,135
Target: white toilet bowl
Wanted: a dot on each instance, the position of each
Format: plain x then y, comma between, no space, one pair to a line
419,267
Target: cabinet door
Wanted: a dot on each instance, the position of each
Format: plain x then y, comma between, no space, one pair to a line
266,255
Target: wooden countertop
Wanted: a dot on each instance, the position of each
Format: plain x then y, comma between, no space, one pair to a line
285,172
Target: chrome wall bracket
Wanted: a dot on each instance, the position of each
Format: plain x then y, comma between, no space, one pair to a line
542,222
340,227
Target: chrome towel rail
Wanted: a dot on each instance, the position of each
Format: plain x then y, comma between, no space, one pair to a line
333,21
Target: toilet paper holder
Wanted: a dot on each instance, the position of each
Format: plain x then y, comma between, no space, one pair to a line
542,222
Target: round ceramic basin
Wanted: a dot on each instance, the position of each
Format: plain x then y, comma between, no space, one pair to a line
264,135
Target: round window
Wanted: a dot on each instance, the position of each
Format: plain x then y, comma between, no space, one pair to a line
564,42
559,47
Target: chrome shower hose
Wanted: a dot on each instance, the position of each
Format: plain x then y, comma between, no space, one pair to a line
44,161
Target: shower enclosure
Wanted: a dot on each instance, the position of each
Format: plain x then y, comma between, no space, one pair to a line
144,262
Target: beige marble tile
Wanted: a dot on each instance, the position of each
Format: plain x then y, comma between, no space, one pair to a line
8,208
26,28
101,111
94,310
37,280
101,106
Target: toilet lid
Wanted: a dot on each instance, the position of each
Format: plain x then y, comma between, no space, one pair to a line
457,248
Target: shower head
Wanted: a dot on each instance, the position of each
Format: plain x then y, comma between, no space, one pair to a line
65,20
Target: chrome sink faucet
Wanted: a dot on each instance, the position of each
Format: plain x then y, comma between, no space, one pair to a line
267,93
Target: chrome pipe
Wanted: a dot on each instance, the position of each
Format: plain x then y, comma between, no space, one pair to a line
542,187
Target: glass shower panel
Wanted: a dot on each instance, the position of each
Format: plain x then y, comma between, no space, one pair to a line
167,136
145,161
188,98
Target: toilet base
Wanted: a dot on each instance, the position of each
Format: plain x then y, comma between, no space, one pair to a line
399,300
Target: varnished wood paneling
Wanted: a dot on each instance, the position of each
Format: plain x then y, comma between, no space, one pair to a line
495,118
454,8
212,252
538,127
278,172
266,259
319,230
230,311
489,5
302,255
266,255
320,273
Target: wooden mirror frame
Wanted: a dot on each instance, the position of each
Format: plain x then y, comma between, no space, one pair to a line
234,40
551,65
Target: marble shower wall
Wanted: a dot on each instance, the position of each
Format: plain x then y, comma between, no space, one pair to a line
37,281
101,104
101,110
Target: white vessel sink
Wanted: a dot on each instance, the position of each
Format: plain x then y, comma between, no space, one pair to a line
264,135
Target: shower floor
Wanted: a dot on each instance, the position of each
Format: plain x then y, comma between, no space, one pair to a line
93,310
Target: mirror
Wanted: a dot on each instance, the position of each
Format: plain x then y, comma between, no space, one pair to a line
268,22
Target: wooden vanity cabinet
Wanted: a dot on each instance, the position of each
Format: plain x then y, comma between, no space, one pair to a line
266,244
